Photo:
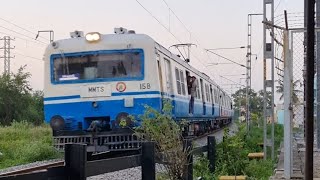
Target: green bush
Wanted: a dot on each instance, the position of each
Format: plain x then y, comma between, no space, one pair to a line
18,101
259,169
167,135
201,169
231,154
23,143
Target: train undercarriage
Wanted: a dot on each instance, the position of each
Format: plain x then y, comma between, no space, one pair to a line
124,139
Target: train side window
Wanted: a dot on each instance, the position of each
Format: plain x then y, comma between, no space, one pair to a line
198,89
217,96
183,89
178,81
207,93
205,90
211,94
223,104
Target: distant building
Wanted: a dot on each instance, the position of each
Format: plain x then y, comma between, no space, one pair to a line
280,113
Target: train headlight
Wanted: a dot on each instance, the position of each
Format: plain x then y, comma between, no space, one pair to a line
57,123
93,37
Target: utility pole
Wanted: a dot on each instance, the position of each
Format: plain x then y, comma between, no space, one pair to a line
318,72
6,53
309,91
248,72
287,86
268,56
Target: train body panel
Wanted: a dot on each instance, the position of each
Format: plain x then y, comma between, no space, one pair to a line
116,77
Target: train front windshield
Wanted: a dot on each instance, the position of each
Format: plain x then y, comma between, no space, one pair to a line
99,65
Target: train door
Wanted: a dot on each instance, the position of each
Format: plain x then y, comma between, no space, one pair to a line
222,104
212,104
203,98
188,82
160,75
168,77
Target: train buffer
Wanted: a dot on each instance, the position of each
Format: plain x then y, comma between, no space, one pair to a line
232,177
258,155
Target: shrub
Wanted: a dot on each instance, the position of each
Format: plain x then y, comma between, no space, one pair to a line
259,169
166,133
18,101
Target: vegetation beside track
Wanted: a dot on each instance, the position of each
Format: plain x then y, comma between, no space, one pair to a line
232,154
18,101
23,143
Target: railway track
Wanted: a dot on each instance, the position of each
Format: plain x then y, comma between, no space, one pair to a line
45,166
36,168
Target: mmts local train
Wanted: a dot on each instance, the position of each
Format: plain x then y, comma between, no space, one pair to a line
111,77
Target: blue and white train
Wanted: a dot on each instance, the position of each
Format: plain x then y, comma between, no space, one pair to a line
108,77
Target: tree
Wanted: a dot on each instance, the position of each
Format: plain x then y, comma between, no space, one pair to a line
17,101
256,100
295,91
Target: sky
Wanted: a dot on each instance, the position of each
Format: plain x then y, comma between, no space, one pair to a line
206,23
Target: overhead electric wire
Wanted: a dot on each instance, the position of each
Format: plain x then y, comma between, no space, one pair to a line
176,16
21,28
29,41
232,81
28,56
158,21
22,34
191,35
227,59
277,6
169,29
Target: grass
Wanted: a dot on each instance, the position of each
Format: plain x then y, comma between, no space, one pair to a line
23,143
232,155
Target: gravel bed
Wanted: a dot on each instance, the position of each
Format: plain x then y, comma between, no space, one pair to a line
34,164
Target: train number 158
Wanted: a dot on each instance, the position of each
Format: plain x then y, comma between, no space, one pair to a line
145,86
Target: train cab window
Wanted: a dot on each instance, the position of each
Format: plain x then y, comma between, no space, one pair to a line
97,65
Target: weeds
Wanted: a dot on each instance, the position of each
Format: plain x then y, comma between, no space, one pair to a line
23,143
231,155
166,133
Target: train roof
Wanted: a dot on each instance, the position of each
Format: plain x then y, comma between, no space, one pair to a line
74,43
